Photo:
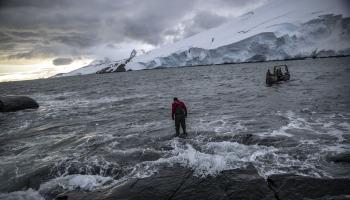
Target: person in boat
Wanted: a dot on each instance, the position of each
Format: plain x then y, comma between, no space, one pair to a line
279,73
179,114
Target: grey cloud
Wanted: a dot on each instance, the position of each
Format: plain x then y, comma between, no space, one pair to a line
62,61
77,39
4,38
43,52
112,46
24,34
154,18
207,19
23,55
65,26
7,47
202,21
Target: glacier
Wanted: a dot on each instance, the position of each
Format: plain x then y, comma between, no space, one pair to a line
320,37
279,30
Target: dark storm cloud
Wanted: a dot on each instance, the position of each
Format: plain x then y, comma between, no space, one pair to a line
37,27
80,40
24,34
62,61
26,55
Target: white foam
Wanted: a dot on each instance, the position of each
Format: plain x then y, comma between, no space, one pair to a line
74,182
137,127
328,125
336,133
29,194
337,148
214,157
143,170
225,125
293,123
345,125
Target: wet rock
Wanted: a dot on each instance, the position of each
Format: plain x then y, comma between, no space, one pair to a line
291,187
275,141
15,103
10,183
341,158
179,183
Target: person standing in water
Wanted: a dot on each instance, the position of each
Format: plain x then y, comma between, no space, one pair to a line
179,113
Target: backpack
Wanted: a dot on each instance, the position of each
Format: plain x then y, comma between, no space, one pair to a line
179,110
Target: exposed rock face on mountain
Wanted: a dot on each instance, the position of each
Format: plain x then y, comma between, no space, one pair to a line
121,68
15,103
117,68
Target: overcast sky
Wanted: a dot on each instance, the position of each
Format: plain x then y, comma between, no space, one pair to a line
63,32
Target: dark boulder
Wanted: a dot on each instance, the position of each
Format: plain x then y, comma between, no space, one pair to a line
292,187
179,183
15,103
341,158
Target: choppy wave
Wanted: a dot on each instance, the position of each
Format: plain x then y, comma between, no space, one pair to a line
100,135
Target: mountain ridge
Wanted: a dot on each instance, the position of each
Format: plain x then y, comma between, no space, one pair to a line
277,31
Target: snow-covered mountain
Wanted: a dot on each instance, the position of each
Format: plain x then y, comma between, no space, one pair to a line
281,29
102,66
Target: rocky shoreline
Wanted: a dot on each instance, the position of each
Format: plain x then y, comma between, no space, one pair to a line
180,183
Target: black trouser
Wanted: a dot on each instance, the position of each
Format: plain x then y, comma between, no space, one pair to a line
180,120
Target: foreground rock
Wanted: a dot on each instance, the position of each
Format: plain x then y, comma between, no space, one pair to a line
292,187
179,183
15,103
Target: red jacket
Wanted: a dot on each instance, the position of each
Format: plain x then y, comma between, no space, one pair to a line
175,105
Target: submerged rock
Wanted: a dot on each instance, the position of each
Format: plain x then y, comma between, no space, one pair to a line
15,103
341,158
